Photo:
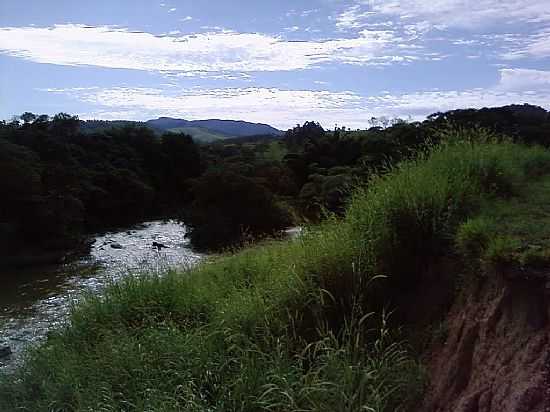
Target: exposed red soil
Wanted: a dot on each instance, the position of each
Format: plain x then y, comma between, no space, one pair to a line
496,357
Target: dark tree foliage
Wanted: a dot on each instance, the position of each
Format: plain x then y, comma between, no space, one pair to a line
228,208
59,184
300,136
526,123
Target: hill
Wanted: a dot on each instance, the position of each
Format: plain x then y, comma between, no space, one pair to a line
98,126
205,131
229,128
200,134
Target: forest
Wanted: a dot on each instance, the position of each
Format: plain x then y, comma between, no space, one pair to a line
62,184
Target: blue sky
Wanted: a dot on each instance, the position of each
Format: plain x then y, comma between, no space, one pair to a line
278,62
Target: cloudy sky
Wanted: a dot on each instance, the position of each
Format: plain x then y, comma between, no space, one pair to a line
278,62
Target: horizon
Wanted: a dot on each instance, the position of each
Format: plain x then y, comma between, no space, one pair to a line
275,63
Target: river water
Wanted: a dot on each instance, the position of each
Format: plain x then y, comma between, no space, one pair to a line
33,301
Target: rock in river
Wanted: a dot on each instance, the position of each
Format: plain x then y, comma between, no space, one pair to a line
116,245
159,246
5,351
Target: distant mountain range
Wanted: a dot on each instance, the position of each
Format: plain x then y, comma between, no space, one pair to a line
201,130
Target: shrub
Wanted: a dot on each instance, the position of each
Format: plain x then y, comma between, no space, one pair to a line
228,207
499,250
473,237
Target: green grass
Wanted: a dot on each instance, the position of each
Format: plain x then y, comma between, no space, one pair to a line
409,217
231,335
200,134
284,326
514,232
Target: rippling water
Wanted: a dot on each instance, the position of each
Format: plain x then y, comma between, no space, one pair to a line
34,301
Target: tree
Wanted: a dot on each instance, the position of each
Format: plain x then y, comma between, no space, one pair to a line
43,118
300,136
227,207
65,124
28,117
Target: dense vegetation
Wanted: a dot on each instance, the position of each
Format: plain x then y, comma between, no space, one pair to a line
311,172
66,178
62,183
298,325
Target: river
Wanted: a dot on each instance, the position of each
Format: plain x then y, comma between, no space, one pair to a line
34,301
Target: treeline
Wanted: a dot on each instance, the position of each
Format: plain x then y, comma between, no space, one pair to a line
62,182
59,183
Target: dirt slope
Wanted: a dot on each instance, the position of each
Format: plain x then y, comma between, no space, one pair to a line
496,357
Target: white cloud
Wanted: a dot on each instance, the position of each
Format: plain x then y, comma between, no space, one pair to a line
507,29
535,45
416,17
281,108
515,86
75,44
353,18
524,79
421,104
306,13
211,75
466,42
173,9
464,13
186,18
285,108
214,28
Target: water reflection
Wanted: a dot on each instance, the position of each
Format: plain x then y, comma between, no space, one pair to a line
35,300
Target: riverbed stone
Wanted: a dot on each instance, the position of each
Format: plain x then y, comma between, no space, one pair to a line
5,351
159,245
116,245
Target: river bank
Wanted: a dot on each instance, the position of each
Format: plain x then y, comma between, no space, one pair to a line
36,299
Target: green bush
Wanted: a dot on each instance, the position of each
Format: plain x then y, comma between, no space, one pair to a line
499,250
473,237
228,207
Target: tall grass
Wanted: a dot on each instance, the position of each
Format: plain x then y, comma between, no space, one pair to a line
281,326
407,218
246,332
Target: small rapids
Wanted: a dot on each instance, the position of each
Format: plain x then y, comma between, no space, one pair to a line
37,300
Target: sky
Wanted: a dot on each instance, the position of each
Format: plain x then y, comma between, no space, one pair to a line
278,62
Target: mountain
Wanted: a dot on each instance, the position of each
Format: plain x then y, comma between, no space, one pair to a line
230,128
205,131
199,134
238,128
91,126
